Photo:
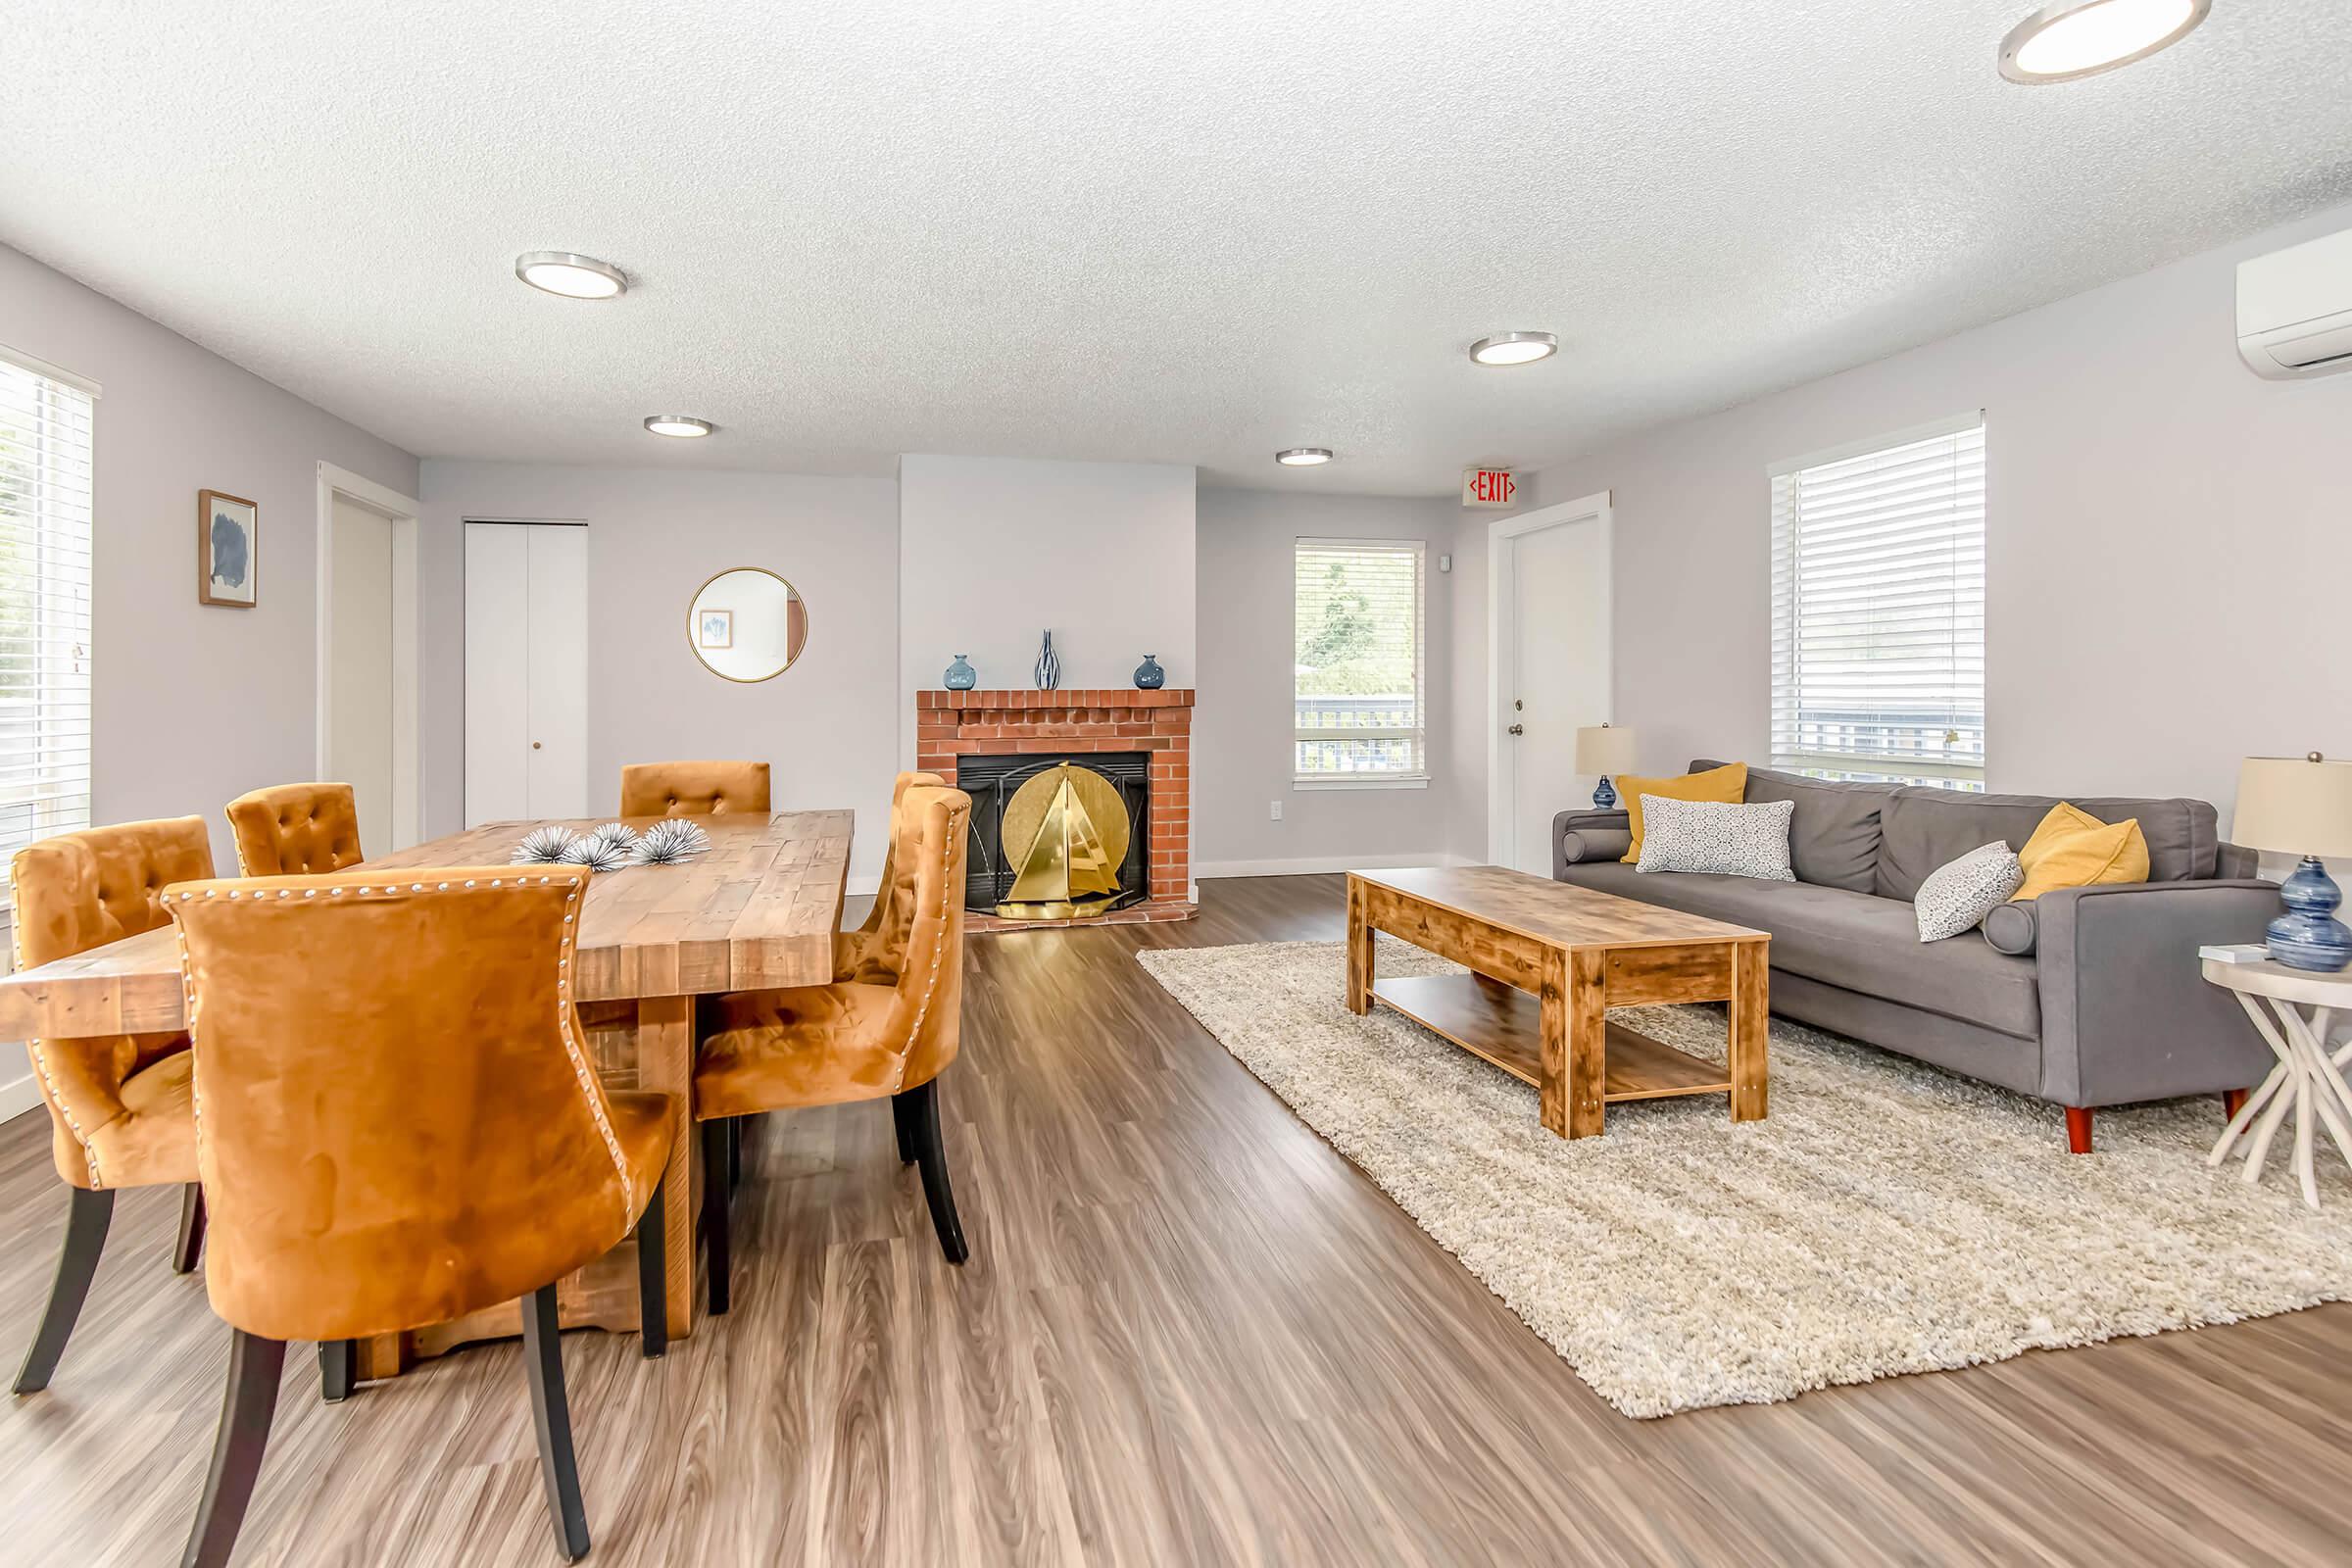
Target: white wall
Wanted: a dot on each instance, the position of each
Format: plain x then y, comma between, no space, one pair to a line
992,550
1243,728
2168,541
827,726
192,705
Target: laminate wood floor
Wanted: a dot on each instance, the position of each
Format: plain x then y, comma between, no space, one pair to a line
1190,1333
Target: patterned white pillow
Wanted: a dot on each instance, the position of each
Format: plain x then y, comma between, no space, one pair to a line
1958,896
1709,836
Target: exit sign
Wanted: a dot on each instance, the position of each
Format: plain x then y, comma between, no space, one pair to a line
1489,487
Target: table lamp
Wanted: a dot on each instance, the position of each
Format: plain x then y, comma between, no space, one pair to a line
1604,748
2300,805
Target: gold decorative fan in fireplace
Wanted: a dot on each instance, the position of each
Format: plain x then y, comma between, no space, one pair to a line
1066,829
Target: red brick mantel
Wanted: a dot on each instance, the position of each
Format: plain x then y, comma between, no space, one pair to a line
948,725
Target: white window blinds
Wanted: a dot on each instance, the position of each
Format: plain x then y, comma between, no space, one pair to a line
45,456
1878,609
1357,680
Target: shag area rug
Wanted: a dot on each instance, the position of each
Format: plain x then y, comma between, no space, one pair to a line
1887,1218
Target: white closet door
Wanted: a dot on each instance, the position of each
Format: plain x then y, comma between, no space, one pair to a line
498,685
557,757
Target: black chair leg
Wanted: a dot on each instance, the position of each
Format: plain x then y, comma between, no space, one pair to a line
902,1115
714,1209
923,1114
254,1368
85,1238
653,1293
338,1369
190,1244
734,1152
551,1421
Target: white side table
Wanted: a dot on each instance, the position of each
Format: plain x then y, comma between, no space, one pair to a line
2307,1081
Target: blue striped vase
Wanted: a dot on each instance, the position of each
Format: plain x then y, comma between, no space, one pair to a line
1049,664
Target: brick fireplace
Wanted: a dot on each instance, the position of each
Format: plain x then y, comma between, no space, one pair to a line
951,725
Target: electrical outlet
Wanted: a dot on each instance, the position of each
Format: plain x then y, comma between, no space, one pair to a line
1273,810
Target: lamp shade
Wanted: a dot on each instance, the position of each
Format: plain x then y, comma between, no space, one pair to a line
1604,748
2294,806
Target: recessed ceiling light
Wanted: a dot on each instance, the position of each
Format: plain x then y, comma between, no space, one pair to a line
1303,457
2074,38
1514,348
575,278
682,425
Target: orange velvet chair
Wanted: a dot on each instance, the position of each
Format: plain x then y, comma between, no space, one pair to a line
693,788
401,1125
829,1044
866,953
296,830
119,1108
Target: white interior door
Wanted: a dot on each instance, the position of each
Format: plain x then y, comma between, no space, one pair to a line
1557,676
558,759
358,748
527,675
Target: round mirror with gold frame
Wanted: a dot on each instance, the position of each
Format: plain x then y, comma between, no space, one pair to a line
747,625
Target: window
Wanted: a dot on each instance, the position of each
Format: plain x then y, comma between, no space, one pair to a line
45,418
1357,680
1878,609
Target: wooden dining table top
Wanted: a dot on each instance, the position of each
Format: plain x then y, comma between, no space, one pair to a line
758,910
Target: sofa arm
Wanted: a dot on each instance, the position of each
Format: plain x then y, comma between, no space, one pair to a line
2125,1011
1588,835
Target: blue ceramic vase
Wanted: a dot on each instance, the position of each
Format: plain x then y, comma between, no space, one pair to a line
1149,676
1049,664
2308,936
961,677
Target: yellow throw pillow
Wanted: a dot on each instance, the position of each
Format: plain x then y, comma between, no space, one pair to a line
1723,786
2073,849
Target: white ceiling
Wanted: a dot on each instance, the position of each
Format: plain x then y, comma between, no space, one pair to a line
1184,232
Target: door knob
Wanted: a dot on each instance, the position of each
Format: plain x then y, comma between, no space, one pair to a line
534,745
1518,730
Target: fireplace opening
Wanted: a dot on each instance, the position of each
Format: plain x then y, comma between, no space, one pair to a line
1057,837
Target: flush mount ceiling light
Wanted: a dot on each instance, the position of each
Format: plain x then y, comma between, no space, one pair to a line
1514,348
685,426
575,278
1303,457
2074,38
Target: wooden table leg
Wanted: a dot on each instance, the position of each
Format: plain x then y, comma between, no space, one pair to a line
1574,1044
1359,948
1750,1029
666,1062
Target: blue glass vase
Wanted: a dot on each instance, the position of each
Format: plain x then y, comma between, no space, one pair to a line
2308,936
1149,676
1048,665
961,677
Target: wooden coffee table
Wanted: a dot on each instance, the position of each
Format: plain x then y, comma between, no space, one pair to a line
1549,959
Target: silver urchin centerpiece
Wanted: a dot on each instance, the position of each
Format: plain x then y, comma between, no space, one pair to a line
620,835
596,851
544,846
669,840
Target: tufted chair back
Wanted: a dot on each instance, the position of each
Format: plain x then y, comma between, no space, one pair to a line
346,1199
872,954
693,788
929,1003
296,830
79,891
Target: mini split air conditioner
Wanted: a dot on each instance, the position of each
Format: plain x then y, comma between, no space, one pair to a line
2294,309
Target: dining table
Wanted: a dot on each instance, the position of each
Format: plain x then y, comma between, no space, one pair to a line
757,910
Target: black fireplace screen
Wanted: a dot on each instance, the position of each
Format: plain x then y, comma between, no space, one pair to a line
991,781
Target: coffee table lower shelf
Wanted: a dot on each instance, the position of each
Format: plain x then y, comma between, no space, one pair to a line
1504,1024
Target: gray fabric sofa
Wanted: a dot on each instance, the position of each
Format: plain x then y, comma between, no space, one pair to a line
2087,996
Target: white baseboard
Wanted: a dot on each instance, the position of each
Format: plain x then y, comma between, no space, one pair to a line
1322,864
18,1097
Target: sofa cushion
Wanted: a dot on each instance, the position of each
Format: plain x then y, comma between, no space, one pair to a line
1854,940
1927,827
1833,838
2014,928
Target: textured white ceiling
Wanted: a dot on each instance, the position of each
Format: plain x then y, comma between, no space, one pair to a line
1188,232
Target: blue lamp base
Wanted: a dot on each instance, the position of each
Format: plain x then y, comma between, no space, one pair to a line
1605,793
2308,936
